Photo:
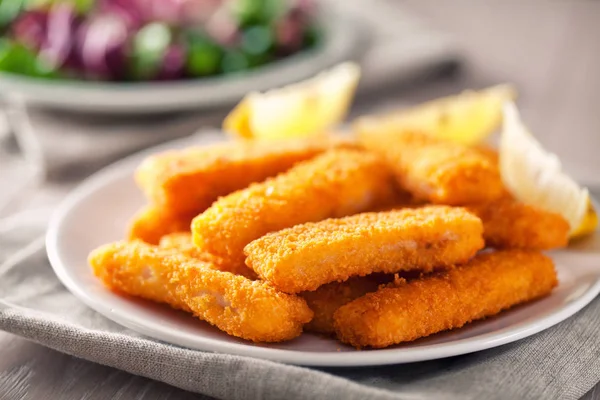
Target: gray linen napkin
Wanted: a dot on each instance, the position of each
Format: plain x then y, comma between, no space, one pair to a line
560,363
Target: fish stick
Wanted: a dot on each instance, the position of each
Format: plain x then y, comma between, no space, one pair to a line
325,301
334,184
181,242
489,152
508,223
488,284
307,256
190,180
248,309
435,170
151,223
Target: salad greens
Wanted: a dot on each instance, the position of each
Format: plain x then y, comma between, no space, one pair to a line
142,40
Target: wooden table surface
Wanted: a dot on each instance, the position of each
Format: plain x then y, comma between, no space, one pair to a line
548,49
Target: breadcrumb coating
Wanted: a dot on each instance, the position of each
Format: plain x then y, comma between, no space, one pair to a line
508,223
181,242
334,184
488,284
190,180
248,309
325,301
307,256
151,223
435,170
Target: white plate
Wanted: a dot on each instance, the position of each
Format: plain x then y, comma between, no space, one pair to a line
344,39
96,213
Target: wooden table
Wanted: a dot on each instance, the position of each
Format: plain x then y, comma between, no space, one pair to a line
548,49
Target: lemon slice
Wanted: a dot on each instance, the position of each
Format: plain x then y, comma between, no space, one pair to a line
301,109
467,118
534,176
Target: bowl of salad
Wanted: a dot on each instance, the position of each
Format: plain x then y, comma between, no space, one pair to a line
148,56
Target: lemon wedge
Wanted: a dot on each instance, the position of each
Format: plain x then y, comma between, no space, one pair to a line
467,118
301,109
534,176
589,222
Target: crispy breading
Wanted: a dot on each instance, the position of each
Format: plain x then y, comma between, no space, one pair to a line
181,242
334,184
488,284
490,152
508,223
307,256
325,301
190,180
150,224
252,310
435,170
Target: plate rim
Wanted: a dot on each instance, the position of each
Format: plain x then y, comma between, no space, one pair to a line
374,357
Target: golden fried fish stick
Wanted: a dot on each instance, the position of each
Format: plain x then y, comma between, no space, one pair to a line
151,223
181,242
252,310
508,223
191,180
437,171
307,256
334,184
488,284
489,152
325,301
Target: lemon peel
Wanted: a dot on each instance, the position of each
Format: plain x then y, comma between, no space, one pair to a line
302,109
535,176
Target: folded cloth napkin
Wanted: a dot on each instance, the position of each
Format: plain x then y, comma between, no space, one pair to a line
562,362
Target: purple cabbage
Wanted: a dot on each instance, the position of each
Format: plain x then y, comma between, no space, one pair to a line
30,29
103,45
58,49
173,63
130,11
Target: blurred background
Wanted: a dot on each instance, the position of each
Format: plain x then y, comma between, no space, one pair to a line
85,82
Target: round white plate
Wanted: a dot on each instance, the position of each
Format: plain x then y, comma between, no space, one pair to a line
344,39
97,212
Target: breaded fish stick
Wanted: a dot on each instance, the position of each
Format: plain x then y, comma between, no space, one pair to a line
191,180
248,309
334,184
325,301
307,256
508,223
181,243
488,284
437,171
151,223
